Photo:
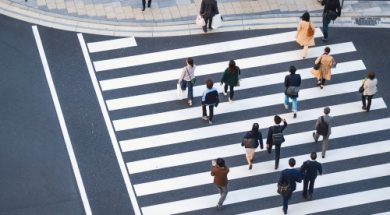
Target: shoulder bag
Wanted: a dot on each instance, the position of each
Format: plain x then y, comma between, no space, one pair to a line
361,88
284,189
322,127
317,65
277,138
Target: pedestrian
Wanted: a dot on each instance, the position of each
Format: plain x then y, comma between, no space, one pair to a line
292,82
144,3
208,9
220,171
289,176
209,98
369,90
324,128
187,79
231,79
309,170
305,33
251,141
332,10
325,62
273,132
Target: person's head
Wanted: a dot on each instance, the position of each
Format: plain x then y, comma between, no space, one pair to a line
305,16
277,119
313,155
190,62
220,162
371,75
232,64
291,162
292,69
255,128
327,50
209,83
326,110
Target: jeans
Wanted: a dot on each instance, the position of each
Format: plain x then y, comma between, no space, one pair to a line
223,191
294,103
231,87
211,109
369,98
285,202
308,182
325,25
184,85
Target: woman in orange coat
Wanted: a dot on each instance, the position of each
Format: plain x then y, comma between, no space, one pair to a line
305,33
324,72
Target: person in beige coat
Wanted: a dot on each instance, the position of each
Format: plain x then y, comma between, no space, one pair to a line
324,72
305,33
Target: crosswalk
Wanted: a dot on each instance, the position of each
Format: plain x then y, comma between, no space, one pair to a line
164,148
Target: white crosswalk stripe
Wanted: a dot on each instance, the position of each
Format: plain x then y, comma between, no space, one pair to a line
166,149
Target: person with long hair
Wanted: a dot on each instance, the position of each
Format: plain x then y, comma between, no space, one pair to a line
186,77
251,141
231,79
305,33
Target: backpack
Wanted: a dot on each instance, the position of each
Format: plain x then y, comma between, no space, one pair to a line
322,127
277,138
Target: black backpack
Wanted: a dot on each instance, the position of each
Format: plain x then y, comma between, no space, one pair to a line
322,127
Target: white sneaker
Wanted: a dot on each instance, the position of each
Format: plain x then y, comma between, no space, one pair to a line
224,93
230,101
285,106
190,102
205,118
210,122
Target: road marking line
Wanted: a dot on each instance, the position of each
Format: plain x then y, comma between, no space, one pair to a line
268,190
111,44
236,149
239,126
61,119
110,129
199,50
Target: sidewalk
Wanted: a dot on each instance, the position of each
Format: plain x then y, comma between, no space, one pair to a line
176,17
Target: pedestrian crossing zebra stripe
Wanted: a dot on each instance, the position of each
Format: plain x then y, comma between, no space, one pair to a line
236,149
239,105
239,126
246,83
199,50
219,67
253,193
331,203
384,213
111,44
239,172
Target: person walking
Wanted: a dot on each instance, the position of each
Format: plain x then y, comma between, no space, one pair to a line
208,8
305,33
209,98
289,176
324,128
326,62
369,90
220,171
251,141
275,129
309,170
332,10
231,79
292,82
187,78
144,3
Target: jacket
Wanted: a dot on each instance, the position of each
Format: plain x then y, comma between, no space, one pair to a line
187,74
276,129
257,137
328,120
220,175
231,78
326,62
333,5
290,174
301,35
208,8
210,97
370,87
309,169
292,80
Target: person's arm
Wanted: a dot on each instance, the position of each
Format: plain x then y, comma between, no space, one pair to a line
317,122
201,12
280,181
318,59
223,76
303,168
269,137
204,95
284,125
299,80
286,82
320,168
338,8
213,169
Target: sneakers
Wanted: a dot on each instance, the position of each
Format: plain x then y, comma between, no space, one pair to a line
224,93
219,207
321,86
205,118
314,137
324,39
230,100
285,106
364,108
210,122
295,115
190,102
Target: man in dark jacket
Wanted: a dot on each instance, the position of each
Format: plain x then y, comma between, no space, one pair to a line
277,128
332,10
292,83
208,9
309,169
220,171
291,176
209,98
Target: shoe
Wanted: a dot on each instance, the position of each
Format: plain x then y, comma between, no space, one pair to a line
305,197
204,29
219,207
364,108
310,197
276,167
323,156
250,166
205,118
321,86
224,93
285,106
210,122
314,137
324,39
295,115
143,9
230,100
211,28
149,3
318,83
190,102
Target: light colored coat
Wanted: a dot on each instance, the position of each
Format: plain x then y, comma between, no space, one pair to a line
301,35
187,74
325,68
370,87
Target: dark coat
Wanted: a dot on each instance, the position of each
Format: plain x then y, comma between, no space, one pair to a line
332,5
257,137
276,129
310,168
208,8
292,80
231,77
290,174
212,98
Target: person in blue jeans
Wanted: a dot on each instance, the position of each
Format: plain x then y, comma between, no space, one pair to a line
329,5
292,81
291,176
187,74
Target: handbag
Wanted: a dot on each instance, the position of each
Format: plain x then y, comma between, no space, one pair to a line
179,92
200,21
292,91
310,31
361,88
247,142
317,65
217,21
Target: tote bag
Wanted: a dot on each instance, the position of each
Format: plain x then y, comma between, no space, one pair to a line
217,21
200,21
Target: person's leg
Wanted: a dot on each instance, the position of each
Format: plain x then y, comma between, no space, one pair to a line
190,92
143,4
369,98
304,52
149,3
223,195
305,185
225,89
204,113
231,94
277,156
325,143
311,186
295,104
206,20
211,109
286,101
285,203
316,136
325,26
210,22
364,102
269,149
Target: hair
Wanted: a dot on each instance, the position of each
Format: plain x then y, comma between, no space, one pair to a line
277,119
371,75
292,69
232,66
306,16
209,83
313,155
190,62
327,50
220,162
326,110
291,162
255,128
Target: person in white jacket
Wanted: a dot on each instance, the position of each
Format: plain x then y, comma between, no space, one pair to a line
370,89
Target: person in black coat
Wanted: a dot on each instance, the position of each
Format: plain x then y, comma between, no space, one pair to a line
144,3
255,138
292,175
208,9
309,169
292,83
332,10
277,128
209,98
